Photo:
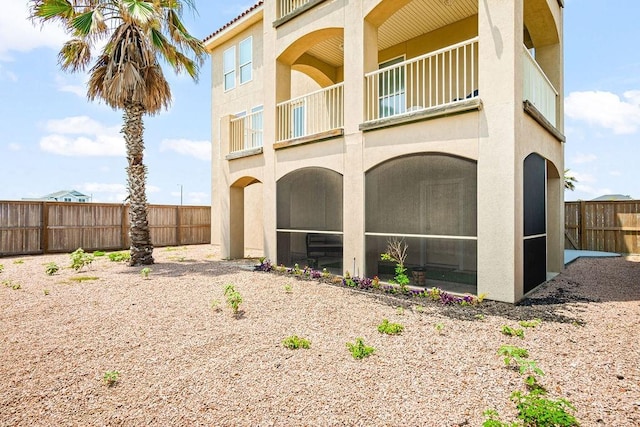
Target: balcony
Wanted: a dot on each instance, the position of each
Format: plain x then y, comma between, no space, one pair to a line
317,115
246,134
431,82
537,89
289,9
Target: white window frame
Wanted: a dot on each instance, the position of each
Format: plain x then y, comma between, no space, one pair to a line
387,90
229,71
247,63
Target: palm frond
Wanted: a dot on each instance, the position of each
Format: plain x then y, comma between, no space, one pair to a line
75,55
140,11
46,10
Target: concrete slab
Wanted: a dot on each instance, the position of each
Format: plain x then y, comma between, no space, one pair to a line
572,255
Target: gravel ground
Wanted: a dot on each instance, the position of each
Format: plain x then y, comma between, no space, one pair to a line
182,362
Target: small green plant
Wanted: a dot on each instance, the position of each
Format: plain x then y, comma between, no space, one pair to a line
419,308
81,279
145,272
80,259
51,268
288,289
16,286
325,273
46,291
359,350
390,328
120,256
479,316
18,261
493,419
433,294
400,311
439,327
7,283
511,351
1,268
234,299
530,323
508,330
534,409
518,357
99,253
215,305
296,270
397,253
295,342
110,378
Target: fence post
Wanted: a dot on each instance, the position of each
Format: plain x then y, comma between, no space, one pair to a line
178,226
582,223
123,226
44,224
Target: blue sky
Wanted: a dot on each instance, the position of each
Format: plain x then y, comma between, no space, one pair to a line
52,139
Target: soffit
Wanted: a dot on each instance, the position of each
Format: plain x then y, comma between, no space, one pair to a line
330,51
423,16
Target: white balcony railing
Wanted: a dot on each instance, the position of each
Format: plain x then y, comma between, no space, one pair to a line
438,78
311,114
289,6
538,89
246,132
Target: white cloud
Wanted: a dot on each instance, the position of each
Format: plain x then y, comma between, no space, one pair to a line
583,177
198,149
82,136
108,192
77,87
14,146
198,198
584,158
615,173
18,34
96,187
606,109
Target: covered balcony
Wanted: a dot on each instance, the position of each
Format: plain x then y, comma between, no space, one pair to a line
246,133
289,9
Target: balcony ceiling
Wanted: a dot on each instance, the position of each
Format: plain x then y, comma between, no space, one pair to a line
415,19
329,51
423,16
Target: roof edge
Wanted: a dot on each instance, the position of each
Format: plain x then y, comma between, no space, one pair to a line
235,26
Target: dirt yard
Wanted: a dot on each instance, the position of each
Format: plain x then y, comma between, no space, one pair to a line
182,362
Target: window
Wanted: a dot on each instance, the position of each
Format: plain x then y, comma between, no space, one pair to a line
256,126
391,90
299,128
229,68
246,60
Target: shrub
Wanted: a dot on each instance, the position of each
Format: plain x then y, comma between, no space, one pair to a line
234,299
508,330
530,323
80,259
359,350
110,378
390,328
294,342
98,253
120,256
536,410
51,268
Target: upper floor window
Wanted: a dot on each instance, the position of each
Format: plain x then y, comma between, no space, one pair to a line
229,68
246,59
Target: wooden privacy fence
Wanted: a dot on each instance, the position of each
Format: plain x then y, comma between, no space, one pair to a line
33,227
610,226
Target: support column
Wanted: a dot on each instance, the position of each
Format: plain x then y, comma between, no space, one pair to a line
500,30
236,223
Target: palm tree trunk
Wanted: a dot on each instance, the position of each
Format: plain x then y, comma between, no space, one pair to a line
133,129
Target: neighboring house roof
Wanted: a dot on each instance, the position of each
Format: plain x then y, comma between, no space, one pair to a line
59,195
234,20
611,197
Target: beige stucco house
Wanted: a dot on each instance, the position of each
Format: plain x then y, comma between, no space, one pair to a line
339,124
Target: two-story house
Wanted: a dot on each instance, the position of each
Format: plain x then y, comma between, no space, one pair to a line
340,124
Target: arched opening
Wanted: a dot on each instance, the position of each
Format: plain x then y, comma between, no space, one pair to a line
246,226
430,201
309,219
534,221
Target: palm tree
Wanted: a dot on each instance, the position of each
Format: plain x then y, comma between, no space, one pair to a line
569,180
126,74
